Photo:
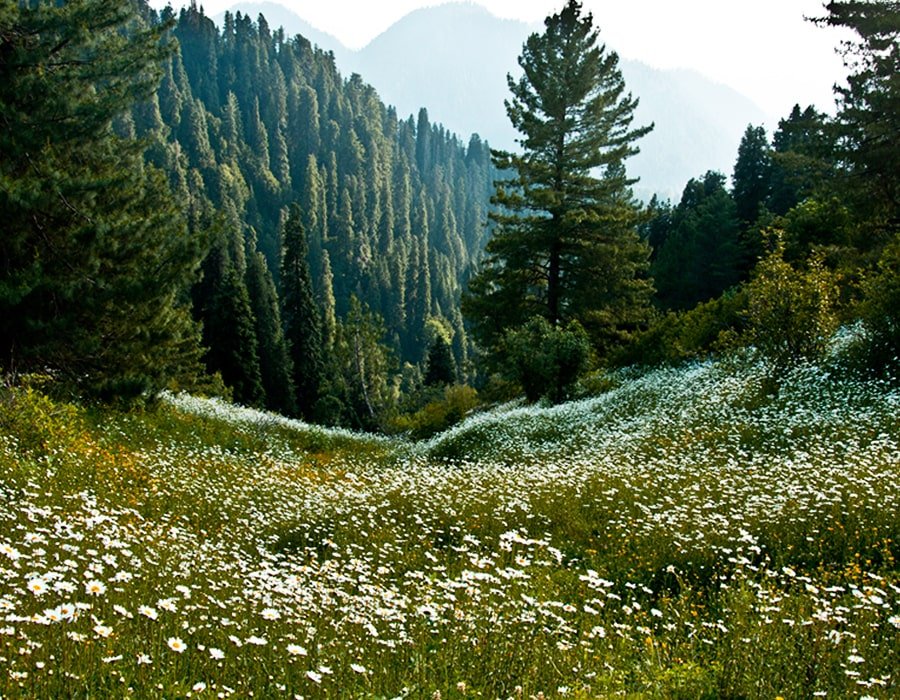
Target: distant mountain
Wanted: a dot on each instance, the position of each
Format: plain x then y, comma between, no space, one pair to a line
453,60
698,127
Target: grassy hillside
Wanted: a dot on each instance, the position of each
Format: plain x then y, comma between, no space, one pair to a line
691,533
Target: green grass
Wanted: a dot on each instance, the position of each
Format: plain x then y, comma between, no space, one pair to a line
693,533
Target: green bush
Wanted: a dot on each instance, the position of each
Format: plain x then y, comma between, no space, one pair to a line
791,311
439,414
880,313
673,338
39,425
546,360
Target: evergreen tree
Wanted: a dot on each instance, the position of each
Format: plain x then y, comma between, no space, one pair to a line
364,364
700,256
300,315
751,181
327,303
423,143
222,302
440,367
566,246
276,370
95,257
802,159
866,128
657,226
868,116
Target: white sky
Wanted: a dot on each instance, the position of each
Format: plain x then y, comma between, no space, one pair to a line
762,48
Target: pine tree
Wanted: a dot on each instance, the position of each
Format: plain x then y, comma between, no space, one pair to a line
95,257
566,246
222,302
868,116
751,174
866,126
423,143
364,364
439,363
700,257
752,181
300,315
327,303
802,159
276,370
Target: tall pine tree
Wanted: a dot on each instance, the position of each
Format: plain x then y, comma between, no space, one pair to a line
222,302
275,366
868,116
565,247
300,315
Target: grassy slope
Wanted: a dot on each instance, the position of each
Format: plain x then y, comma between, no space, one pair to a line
692,533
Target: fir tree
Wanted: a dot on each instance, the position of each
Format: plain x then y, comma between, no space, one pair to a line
439,365
222,302
566,246
868,116
95,257
275,366
802,159
751,180
364,364
300,315
700,257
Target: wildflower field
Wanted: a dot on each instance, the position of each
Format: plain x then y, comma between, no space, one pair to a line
692,533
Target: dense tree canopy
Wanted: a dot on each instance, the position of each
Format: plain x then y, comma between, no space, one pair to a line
333,236
700,257
248,122
869,107
95,256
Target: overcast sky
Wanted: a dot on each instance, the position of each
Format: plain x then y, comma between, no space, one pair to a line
762,48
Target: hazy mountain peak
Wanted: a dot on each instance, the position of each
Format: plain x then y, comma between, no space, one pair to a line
453,59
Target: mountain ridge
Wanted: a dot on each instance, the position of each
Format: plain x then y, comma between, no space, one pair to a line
463,54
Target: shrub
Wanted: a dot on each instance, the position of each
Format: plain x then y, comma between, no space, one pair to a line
439,414
40,425
791,311
673,338
880,312
546,360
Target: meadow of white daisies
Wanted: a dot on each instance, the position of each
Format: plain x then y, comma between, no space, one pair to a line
704,532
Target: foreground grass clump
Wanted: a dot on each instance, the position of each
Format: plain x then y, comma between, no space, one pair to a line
691,533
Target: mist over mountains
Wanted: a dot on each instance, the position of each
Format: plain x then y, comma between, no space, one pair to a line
453,60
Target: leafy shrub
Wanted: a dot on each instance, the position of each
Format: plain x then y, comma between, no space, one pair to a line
40,425
546,360
791,311
439,414
880,313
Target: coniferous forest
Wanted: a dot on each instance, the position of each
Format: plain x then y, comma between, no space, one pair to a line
390,211
244,123
318,245
301,397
